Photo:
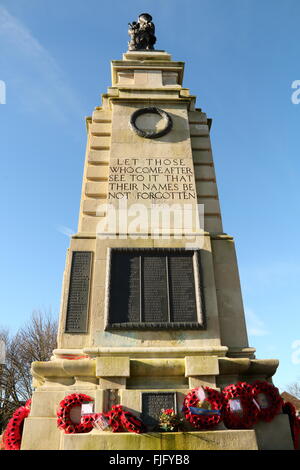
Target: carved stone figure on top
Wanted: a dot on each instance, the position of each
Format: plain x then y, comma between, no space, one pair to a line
142,33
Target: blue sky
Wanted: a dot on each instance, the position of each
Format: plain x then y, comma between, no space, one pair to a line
242,57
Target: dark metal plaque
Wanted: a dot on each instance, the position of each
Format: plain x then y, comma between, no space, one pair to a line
79,287
182,288
124,287
155,289
152,404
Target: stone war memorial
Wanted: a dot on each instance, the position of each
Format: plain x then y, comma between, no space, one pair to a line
152,344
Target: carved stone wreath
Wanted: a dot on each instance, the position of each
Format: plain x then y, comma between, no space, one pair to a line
151,134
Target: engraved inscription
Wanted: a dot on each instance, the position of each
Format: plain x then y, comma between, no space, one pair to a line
161,179
182,288
78,300
154,288
152,404
125,286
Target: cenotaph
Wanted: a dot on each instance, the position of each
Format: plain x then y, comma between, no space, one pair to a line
151,302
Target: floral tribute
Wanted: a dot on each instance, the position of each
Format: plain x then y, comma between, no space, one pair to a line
268,399
131,423
121,421
169,420
289,409
202,407
240,410
116,420
64,420
13,433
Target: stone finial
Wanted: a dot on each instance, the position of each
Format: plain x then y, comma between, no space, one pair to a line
141,33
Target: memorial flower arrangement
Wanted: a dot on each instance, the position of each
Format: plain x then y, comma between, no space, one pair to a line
240,410
64,420
169,420
268,399
202,407
131,423
116,420
12,436
240,405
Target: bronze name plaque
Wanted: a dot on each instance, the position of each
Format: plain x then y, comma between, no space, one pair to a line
79,288
152,404
155,288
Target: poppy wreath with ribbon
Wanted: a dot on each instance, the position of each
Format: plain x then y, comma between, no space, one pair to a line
273,398
201,418
289,409
121,420
249,410
13,433
64,421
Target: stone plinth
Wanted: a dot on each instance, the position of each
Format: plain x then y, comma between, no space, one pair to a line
204,440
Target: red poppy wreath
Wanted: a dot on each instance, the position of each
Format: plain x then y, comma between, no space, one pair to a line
120,420
64,420
13,433
202,407
268,399
131,423
240,411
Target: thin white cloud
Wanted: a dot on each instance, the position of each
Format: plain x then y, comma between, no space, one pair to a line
275,272
65,230
32,73
296,352
255,325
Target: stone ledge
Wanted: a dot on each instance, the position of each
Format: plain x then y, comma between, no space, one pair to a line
155,352
203,365
198,440
146,55
107,366
246,366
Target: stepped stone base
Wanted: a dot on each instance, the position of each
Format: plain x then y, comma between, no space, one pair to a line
43,434
124,378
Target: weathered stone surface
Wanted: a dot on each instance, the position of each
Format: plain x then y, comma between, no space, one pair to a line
205,440
275,435
197,366
112,367
41,434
